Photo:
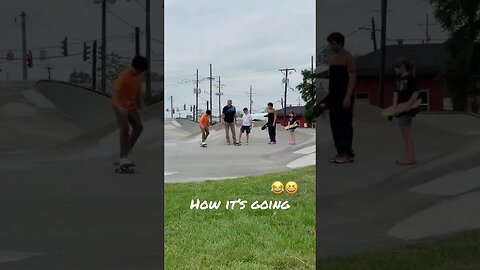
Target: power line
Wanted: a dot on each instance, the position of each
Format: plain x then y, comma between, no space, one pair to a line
129,24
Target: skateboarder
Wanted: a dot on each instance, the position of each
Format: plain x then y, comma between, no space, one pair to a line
228,119
246,125
204,124
342,79
406,91
292,121
272,123
127,101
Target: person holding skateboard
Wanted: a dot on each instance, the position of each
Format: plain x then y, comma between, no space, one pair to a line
271,123
228,119
406,92
127,102
204,125
292,125
247,124
342,79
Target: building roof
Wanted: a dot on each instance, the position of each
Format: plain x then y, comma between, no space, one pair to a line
428,58
298,110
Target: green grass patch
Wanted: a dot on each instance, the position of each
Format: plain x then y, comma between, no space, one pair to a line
241,239
456,252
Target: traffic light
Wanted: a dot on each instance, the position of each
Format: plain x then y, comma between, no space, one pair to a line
86,52
184,107
173,110
29,59
65,47
191,108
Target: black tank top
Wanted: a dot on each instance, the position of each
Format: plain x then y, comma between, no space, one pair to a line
338,83
271,117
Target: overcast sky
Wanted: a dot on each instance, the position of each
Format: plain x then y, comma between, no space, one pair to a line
48,21
247,42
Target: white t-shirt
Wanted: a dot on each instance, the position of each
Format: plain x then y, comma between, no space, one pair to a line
247,120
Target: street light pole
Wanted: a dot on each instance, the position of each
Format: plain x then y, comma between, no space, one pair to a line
383,52
104,46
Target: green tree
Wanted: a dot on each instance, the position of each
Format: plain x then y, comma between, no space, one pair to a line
462,71
308,93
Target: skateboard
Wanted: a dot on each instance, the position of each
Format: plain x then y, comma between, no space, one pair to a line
126,168
388,112
291,126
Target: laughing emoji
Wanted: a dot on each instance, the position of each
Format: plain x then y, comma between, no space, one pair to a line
291,187
277,188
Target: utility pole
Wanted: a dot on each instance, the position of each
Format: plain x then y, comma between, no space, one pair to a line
24,47
383,51
49,70
287,70
104,46
211,79
137,41
148,79
171,106
373,33
94,65
219,94
251,101
427,30
197,91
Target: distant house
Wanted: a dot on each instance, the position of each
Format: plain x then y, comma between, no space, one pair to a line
429,60
299,114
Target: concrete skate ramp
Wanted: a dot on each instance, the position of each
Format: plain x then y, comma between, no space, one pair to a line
30,121
85,107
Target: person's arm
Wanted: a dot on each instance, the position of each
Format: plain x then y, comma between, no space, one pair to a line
116,91
223,116
395,101
139,100
274,117
413,87
352,80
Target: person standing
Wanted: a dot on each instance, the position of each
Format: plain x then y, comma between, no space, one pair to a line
228,119
342,79
293,123
127,101
272,122
406,92
247,124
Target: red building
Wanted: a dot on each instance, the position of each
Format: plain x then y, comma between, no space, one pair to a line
429,60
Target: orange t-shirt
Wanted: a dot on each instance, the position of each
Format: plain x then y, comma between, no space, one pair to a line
126,89
204,120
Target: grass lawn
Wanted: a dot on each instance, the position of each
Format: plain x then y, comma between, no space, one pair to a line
241,239
457,252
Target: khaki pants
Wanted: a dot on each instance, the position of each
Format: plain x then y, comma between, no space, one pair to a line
230,126
125,120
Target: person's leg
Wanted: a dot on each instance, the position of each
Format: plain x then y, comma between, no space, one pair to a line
137,127
203,134
410,145
248,135
122,119
242,129
207,132
334,126
348,131
274,133
270,133
234,135
227,127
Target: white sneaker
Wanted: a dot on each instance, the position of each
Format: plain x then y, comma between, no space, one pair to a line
123,161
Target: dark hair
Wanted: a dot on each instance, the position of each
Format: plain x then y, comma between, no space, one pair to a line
208,112
140,63
403,61
270,104
245,109
336,37
291,112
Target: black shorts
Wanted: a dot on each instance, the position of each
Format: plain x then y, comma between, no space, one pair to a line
245,128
